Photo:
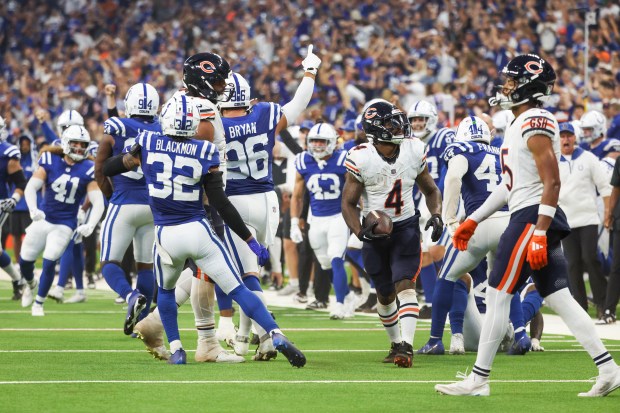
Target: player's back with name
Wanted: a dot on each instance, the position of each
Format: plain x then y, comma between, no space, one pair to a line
174,169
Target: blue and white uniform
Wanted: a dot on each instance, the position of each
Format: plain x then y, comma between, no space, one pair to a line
129,216
324,180
249,183
603,149
7,152
65,190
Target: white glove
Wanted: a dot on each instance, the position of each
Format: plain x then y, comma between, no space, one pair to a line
452,227
81,216
312,62
85,230
296,235
36,214
536,345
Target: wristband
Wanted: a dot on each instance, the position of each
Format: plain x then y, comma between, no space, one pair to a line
294,221
540,233
17,197
312,70
546,210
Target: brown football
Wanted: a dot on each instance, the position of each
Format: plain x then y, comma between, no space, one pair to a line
384,225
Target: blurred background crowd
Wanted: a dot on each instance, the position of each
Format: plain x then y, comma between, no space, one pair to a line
59,54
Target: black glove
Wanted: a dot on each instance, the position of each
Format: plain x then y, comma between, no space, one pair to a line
437,225
8,205
366,234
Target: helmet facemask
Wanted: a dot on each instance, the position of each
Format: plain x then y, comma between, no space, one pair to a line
396,126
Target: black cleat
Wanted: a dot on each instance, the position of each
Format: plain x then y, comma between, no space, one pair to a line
136,304
292,353
393,350
404,355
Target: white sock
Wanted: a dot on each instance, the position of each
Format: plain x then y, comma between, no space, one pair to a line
13,273
293,281
472,323
183,287
38,299
582,327
203,304
493,330
388,314
60,288
225,322
175,345
408,314
259,330
80,292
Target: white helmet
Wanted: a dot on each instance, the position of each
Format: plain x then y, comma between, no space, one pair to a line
141,100
472,128
3,132
239,91
68,118
322,132
578,131
180,117
75,141
593,125
501,120
423,109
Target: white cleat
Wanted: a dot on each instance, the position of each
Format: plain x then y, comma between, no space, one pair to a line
338,313
226,332
241,345
351,302
76,298
457,344
151,332
471,386
288,290
536,345
57,294
209,350
265,351
37,310
605,384
27,294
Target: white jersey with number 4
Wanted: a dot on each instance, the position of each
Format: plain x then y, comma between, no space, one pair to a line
519,171
388,187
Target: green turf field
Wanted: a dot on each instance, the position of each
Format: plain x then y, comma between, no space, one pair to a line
76,359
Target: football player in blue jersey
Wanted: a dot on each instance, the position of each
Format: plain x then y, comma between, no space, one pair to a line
321,171
66,119
178,171
129,217
250,132
11,173
66,179
383,173
594,127
473,172
423,118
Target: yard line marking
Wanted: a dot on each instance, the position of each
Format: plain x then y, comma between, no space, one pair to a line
189,329
228,382
230,351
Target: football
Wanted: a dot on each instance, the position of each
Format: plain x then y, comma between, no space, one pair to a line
384,225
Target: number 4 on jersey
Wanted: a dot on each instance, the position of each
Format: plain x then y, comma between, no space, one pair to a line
394,198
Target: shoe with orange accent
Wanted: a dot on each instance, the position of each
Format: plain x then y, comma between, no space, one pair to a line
390,357
404,355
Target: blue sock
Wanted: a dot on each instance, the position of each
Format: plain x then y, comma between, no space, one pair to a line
252,282
66,263
253,307
459,304
5,260
146,285
356,255
340,282
168,312
442,301
47,277
78,266
428,275
224,302
516,317
27,269
530,305
115,277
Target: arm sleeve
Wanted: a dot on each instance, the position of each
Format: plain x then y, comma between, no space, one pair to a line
300,101
214,189
98,207
30,193
457,167
290,142
114,165
18,179
494,202
49,134
113,112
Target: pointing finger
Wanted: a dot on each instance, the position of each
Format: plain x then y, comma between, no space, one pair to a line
310,50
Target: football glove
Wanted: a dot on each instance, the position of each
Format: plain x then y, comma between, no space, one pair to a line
36,214
85,230
312,62
261,252
463,233
366,234
296,236
437,225
537,252
8,205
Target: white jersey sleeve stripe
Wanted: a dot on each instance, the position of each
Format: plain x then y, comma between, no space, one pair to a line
211,151
341,159
203,151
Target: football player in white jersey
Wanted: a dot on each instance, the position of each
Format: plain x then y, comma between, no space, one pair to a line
250,132
531,242
384,173
321,170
